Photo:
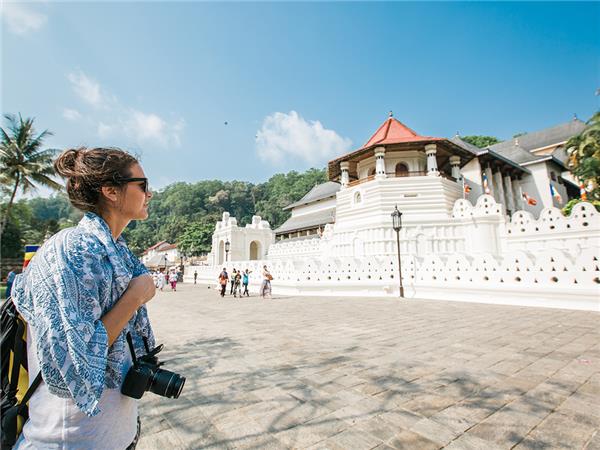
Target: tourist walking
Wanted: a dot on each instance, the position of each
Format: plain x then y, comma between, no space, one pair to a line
265,287
237,280
245,282
10,278
79,316
173,280
223,277
195,276
232,281
160,280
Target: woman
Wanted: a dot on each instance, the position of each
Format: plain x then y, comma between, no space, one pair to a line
265,288
173,281
245,282
80,295
160,280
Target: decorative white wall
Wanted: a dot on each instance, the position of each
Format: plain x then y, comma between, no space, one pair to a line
475,254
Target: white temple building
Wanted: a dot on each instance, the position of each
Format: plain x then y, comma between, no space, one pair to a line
480,225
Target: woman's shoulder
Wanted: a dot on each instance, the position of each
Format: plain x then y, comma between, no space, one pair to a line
74,244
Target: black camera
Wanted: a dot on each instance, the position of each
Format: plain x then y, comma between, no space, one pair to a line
145,375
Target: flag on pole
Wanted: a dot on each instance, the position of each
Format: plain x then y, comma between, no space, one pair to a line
486,187
555,193
582,192
530,200
466,187
29,252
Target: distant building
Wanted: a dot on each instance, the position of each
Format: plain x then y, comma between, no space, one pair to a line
160,255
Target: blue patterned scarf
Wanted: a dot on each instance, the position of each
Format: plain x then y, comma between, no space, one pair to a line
75,278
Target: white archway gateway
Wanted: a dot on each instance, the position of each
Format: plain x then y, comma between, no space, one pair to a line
255,251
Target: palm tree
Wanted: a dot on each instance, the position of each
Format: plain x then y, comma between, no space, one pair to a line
23,163
584,156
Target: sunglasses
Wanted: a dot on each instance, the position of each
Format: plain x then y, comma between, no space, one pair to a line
144,185
144,181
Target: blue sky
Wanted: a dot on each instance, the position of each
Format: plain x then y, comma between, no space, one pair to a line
297,83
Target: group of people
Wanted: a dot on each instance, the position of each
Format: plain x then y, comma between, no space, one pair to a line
239,279
162,278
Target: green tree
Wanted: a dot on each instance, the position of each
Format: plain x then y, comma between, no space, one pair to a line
584,156
481,141
283,189
197,237
23,163
11,244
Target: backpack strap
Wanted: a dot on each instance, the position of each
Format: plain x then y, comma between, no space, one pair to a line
36,382
17,357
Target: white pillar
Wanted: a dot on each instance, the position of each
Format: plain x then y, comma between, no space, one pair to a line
455,167
379,162
432,168
345,167
508,194
518,194
498,190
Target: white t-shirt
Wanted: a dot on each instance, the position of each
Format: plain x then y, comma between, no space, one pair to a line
57,423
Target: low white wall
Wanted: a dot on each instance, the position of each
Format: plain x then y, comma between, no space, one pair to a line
550,278
580,230
552,262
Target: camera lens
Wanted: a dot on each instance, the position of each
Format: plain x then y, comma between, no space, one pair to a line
167,384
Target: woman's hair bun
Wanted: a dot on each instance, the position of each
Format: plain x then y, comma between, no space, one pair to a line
66,162
88,169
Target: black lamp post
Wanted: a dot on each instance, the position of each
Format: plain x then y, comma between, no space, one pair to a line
397,224
227,245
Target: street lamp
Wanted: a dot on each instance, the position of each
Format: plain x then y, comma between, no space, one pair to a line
227,245
397,224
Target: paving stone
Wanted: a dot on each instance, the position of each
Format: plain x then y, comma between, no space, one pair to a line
410,440
344,373
505,426
353,439
434,431
470,442
559,431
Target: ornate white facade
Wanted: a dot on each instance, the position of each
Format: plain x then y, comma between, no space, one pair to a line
249,243
451,248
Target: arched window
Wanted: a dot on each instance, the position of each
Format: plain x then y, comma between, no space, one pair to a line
254,251
357,198
372,171
401,170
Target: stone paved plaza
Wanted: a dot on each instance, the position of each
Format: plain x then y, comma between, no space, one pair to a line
349,373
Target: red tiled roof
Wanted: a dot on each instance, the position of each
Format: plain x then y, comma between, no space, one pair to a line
392,131
158,244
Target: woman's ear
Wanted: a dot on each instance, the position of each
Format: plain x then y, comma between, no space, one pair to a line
110,193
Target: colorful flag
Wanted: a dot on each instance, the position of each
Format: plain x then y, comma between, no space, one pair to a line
582,192
29,252
486,187
555,194
466,187
530,200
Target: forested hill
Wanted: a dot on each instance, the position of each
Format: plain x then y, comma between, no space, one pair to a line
184,213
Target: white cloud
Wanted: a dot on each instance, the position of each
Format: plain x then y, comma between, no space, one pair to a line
105,130
115,120
71,114
21,19
289,135
86,88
